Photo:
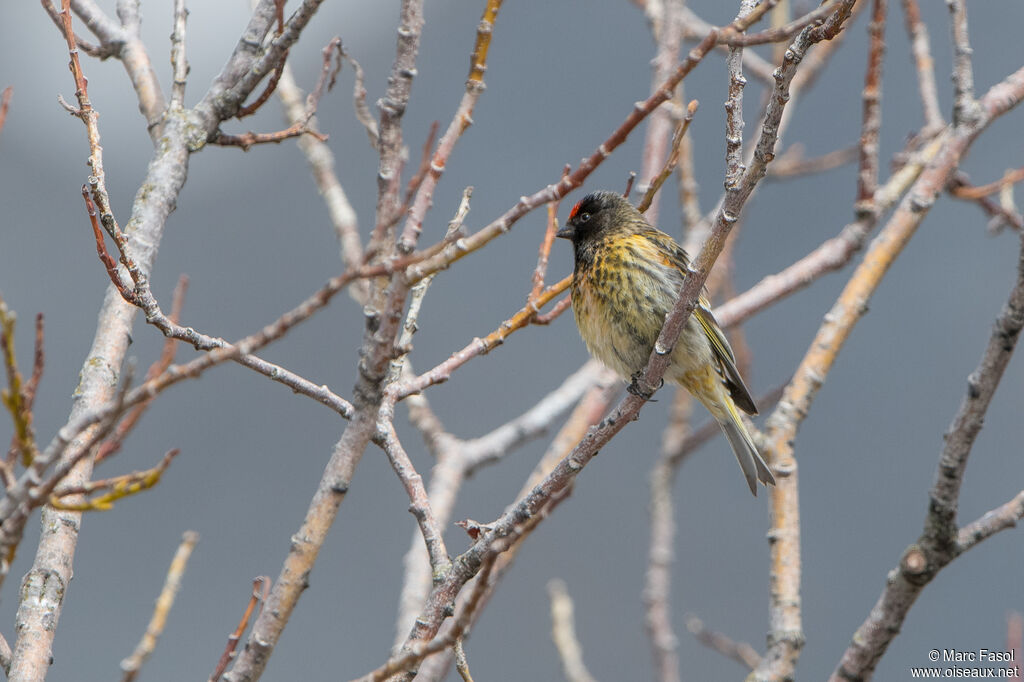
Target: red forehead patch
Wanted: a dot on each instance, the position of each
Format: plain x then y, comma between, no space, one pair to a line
575,210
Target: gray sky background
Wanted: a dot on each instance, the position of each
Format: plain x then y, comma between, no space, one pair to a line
253,236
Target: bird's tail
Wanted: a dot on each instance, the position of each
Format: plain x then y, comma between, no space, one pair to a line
754,467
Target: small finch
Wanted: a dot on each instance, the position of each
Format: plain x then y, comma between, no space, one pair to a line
626,279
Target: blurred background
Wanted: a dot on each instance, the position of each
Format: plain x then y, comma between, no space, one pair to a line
253,236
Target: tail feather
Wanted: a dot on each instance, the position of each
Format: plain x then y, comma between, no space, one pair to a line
753,466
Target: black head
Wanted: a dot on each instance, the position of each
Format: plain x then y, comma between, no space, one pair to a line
597,213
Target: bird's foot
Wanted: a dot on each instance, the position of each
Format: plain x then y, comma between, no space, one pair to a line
636,389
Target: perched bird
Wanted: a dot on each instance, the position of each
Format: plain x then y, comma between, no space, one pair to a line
626,279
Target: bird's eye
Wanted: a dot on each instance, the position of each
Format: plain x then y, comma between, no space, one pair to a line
583,217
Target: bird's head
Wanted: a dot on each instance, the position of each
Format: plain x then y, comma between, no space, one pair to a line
598,213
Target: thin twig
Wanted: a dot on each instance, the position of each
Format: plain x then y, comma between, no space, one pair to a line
785,32
544,251
268,90
110,28
920,47
489,448
695,28
321,162
363,114
1002,212
179,62
14,397
965,107
247,140
390,142
1010,177
460,122
131,665
122,39
302,125
791,163
741,652
443,371
257,597
871,118
408,658
563,632
461,664
671,161
413,484
664,18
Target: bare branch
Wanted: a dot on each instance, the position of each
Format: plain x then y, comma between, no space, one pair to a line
99,23
782,33
413,655
179,63
1010,177
871,121
831,255
920,47
544,251
791,163
458,459
257,597
741,652
563,632
111,489
462,120
131,665
965,107
363,114
461,664
665,19
937,545
695,28
1001,518
1003,212
413,484
670,163
321,162
489,448
591,408
442,372
392,108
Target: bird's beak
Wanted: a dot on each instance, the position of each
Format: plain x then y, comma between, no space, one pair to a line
566,232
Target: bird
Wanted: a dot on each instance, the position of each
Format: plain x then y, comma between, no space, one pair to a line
626,279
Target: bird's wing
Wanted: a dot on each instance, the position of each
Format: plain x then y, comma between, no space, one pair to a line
733,381
674,255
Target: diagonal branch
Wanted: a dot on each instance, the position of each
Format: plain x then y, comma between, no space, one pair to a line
786,639
940,541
